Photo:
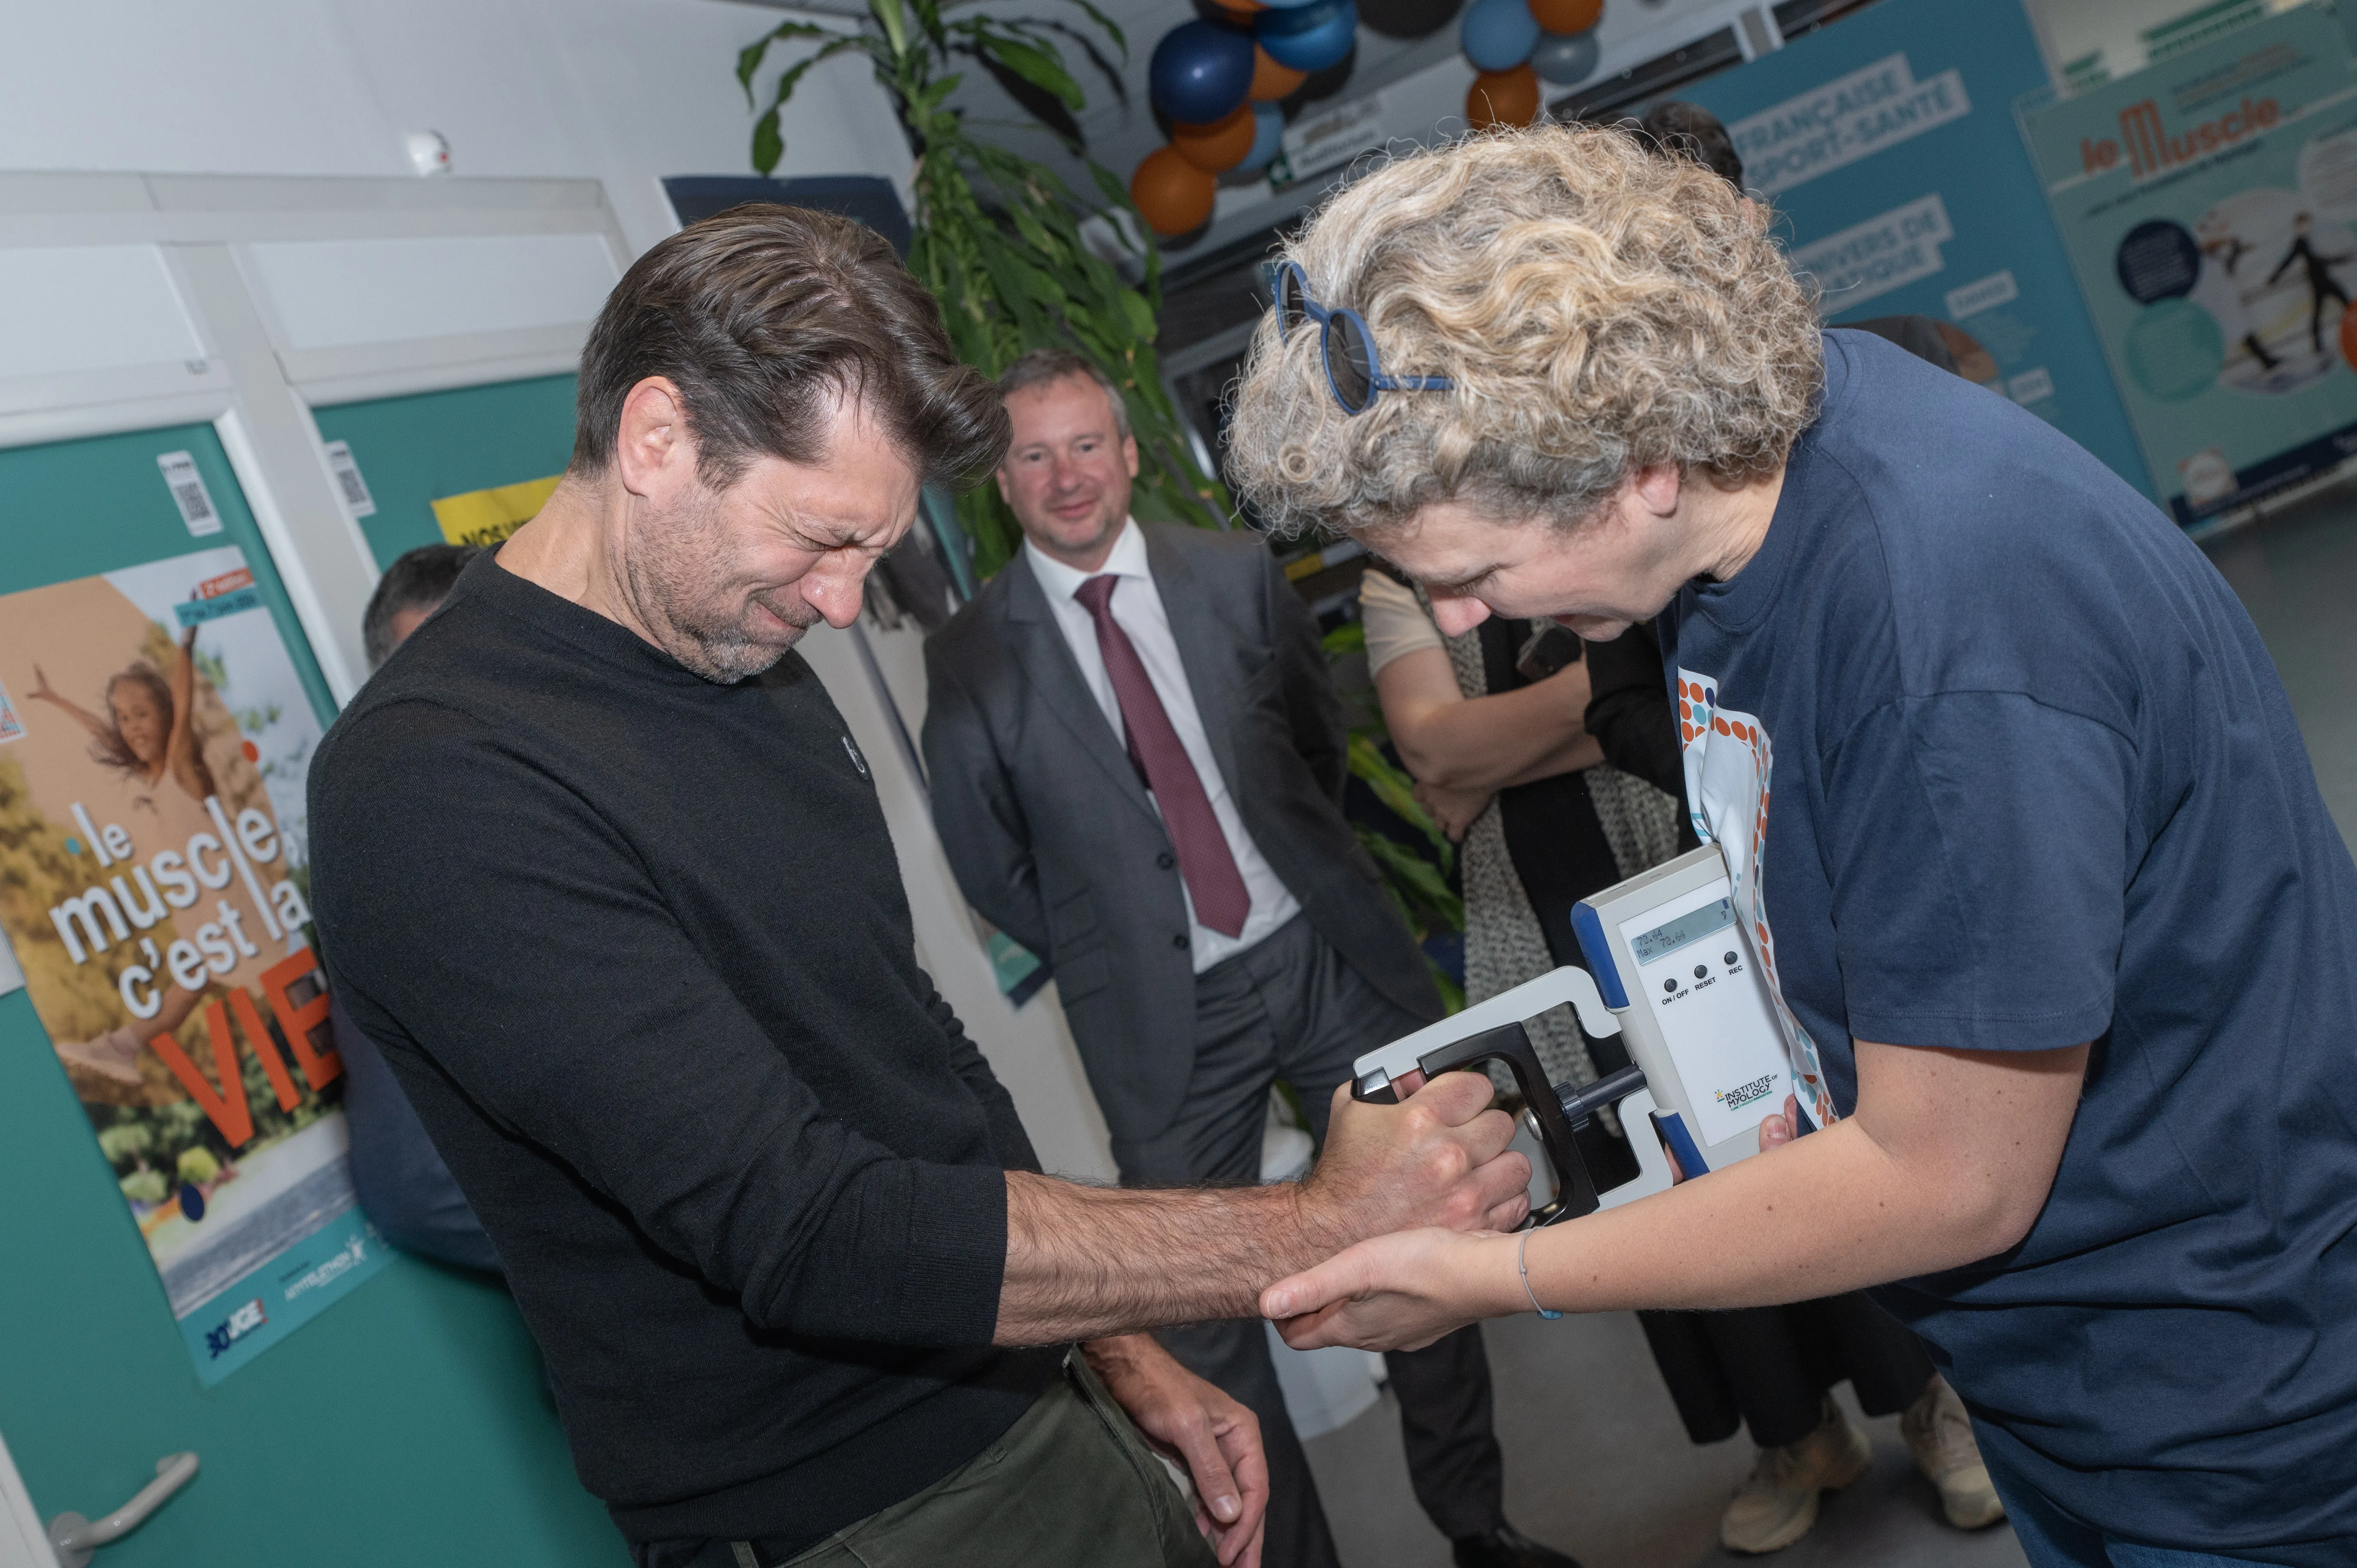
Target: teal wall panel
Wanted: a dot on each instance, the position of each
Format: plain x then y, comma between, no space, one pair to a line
408,1423
79,508
415,450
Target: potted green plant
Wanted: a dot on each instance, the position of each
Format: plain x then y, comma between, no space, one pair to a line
997,236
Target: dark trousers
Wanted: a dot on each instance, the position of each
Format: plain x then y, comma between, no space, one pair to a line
1768,1367
1291,1008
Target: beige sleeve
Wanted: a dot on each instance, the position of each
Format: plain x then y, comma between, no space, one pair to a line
1395,623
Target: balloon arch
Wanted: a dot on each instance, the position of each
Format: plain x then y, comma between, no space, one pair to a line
1219,84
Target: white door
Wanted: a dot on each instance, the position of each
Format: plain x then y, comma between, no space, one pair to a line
23,1542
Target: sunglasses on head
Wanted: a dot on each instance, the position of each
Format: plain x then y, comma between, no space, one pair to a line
1353,372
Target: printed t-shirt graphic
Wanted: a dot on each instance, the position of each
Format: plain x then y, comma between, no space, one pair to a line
1728,758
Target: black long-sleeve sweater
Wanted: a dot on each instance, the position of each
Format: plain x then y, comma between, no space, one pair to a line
636,945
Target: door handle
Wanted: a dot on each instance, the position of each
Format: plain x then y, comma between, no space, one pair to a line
74,1538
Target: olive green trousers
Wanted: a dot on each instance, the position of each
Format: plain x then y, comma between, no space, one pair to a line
1071,1485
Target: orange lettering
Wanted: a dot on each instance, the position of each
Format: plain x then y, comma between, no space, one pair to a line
322,1067
257,1039
228,1107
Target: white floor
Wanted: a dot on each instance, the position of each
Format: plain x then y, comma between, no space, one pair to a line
1595,1461
1598,1466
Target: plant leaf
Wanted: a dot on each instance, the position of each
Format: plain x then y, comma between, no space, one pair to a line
896,26
1397,790
1034,63
769,143
769,140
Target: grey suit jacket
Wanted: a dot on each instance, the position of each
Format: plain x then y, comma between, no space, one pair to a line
1054,839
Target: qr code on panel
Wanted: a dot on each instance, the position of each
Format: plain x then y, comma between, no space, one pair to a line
188,493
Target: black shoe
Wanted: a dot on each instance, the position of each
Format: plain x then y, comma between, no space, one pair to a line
1506,1547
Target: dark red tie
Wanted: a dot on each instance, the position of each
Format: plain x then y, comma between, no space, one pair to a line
1213,880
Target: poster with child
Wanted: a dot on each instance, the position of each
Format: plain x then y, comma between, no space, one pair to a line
153,889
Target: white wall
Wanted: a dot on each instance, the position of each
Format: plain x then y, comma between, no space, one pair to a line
622,91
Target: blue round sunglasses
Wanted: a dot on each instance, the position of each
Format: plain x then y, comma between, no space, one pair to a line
1354,372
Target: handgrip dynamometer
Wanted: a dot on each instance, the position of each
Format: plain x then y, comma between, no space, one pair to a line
1493,1031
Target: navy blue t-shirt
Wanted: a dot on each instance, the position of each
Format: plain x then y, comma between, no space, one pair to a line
2019,775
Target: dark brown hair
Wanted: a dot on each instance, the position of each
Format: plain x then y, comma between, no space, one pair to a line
418,579
1690,131
765,316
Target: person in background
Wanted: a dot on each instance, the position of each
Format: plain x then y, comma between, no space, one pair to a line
405,1190
1469,721
1489,727
1137,759
602,873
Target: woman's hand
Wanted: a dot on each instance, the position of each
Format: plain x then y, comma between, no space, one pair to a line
1779,1127
1453,810
1399,1292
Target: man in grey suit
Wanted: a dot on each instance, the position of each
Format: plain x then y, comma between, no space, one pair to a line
1137,761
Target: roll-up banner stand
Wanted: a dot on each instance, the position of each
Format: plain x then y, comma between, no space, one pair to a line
1887,146
2208,204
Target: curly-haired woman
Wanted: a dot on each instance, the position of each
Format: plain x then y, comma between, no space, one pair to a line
2063,942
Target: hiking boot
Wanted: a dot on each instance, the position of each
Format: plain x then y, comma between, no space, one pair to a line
1779,1504
1940,1434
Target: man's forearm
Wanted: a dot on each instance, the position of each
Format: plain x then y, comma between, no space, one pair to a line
1085,1262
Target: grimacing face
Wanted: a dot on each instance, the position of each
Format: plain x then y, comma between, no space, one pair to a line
1068,469
1598,576
728,580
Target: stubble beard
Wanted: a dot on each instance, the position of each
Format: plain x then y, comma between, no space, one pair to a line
675,575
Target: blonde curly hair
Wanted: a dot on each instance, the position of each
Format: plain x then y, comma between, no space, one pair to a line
1599,307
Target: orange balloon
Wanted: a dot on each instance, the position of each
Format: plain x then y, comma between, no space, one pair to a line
1271,80
1566,15
1172,195
1220,145
1502,98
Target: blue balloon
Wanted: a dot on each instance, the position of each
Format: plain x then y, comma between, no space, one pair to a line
1498,34
1565,59
1268,136
1310,37
1200,72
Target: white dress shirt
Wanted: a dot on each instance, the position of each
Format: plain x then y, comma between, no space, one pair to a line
1138,610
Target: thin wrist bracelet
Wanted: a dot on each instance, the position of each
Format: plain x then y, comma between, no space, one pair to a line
1524,1267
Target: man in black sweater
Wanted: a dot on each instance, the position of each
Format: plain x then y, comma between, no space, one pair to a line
599,869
